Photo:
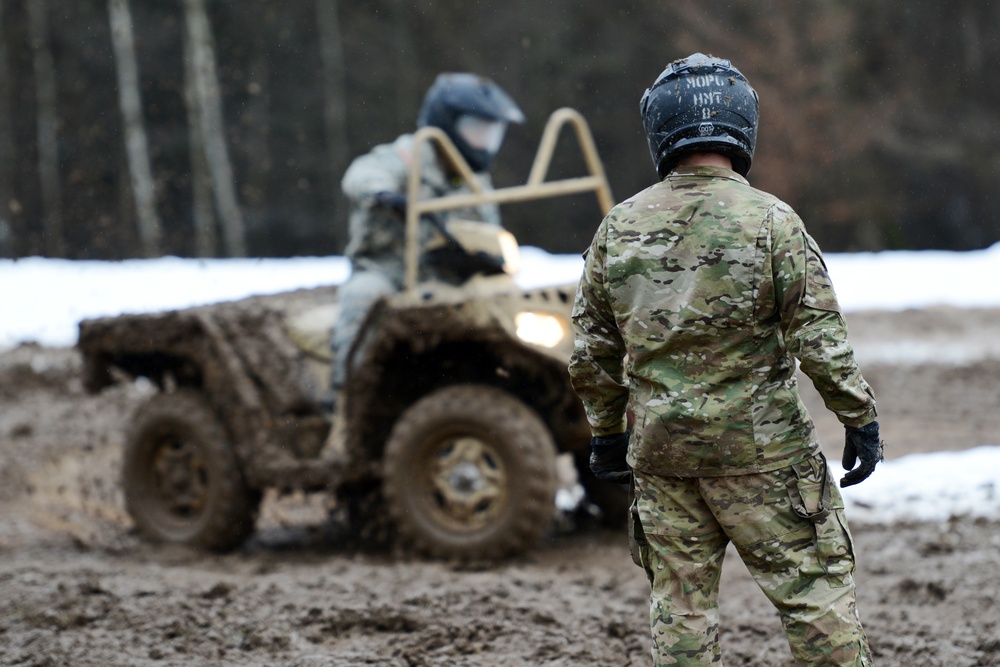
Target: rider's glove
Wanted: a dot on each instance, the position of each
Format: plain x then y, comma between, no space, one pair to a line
607,458
394,201
861,443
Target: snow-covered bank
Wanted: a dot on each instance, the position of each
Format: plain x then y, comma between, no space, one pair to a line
42,300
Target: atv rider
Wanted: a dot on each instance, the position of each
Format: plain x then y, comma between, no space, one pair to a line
474,113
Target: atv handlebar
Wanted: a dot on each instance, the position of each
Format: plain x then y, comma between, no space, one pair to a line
536,187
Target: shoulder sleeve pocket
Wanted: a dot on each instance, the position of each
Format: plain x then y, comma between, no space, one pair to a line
819,291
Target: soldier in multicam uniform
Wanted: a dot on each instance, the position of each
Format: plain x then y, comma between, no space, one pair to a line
697,295
474,113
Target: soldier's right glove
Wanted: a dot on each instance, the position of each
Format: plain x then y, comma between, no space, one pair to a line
607,458
394,201
861,443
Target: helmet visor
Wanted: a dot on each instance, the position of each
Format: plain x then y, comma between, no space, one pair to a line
480,133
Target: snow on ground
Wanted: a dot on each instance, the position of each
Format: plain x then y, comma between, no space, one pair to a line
42,300
927,487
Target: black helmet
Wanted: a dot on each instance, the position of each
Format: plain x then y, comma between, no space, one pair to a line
700,104
466,105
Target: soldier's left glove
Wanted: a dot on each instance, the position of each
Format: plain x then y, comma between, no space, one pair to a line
861,443
607,458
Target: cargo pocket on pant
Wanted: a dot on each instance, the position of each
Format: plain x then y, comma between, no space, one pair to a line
813,497
835,548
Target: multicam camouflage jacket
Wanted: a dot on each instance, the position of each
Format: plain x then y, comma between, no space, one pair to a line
696,295
378,237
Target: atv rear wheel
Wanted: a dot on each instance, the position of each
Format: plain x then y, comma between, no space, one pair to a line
469,473
181,479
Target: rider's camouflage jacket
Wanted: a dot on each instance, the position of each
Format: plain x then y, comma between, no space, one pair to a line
377,237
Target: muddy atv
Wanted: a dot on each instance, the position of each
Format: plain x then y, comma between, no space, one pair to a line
451,422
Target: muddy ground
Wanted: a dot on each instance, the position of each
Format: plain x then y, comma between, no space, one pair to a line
78,587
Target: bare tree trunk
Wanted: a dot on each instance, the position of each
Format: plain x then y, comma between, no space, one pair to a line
334,109
7,156
205,238
48,146
136,147
206,85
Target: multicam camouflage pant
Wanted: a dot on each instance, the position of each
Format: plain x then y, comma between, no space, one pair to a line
789,528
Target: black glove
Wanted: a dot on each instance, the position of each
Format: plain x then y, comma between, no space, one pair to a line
607,458
861,443
394,201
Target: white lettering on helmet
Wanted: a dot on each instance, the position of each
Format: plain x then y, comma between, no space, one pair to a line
705,81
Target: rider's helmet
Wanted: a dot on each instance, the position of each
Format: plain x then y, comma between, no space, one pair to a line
473,111
700,104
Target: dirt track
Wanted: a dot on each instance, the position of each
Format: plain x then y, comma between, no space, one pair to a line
77,587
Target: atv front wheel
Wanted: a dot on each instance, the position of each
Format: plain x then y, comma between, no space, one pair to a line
181,479
469,473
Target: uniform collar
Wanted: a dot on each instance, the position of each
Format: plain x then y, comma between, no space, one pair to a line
707,172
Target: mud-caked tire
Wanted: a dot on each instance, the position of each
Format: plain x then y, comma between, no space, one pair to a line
181,478
469,474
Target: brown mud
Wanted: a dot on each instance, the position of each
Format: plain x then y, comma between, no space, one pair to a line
78,587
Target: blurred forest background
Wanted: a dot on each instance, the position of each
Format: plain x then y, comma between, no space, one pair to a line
134,128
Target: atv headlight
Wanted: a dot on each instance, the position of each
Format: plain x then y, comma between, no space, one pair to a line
540,328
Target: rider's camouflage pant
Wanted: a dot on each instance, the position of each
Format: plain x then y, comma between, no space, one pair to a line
789,528
357,296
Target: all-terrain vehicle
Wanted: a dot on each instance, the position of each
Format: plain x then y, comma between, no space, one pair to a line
456,409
